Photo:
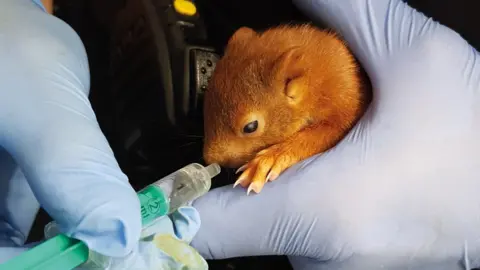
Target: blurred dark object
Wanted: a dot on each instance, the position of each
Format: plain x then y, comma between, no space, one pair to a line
223,18
154,131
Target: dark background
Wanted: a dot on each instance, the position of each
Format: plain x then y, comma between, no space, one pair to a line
168,151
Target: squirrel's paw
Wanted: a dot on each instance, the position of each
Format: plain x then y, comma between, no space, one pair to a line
267,165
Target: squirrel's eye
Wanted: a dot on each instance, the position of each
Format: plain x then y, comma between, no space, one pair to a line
250,127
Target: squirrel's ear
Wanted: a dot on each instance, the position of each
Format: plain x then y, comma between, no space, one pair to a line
243,34
288,71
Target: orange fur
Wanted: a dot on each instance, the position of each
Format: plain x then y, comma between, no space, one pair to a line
48,4
300,83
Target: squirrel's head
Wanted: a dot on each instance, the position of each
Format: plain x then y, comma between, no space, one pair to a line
258,94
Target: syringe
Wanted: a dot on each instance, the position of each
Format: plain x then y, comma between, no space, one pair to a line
157,200
166,195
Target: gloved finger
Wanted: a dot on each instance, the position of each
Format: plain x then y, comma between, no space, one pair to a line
186,222
284,219
48,126
183,223
168,248
237,225
165,253
375,30
41,5
18,205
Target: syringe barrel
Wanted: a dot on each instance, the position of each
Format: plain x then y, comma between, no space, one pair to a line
158,200
175,190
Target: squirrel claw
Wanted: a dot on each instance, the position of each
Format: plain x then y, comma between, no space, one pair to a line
265,167
239,181
271,176
241,169
255,186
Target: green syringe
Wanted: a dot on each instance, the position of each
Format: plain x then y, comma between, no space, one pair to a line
157,200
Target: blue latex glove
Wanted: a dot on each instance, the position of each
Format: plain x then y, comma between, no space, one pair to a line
401,190
51,147
169,249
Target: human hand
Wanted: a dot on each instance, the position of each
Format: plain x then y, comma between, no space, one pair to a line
51,147
400,191
167,247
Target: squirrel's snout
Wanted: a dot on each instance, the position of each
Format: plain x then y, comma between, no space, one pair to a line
223,156
209,157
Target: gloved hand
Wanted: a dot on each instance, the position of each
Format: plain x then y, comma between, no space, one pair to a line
167,249
51,147
401,190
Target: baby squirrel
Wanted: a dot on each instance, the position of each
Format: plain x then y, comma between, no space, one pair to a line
278,97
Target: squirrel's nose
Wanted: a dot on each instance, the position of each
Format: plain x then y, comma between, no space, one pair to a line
210,155
222,156
209,158
213,155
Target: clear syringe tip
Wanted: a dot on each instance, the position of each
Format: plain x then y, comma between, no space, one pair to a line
213,169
